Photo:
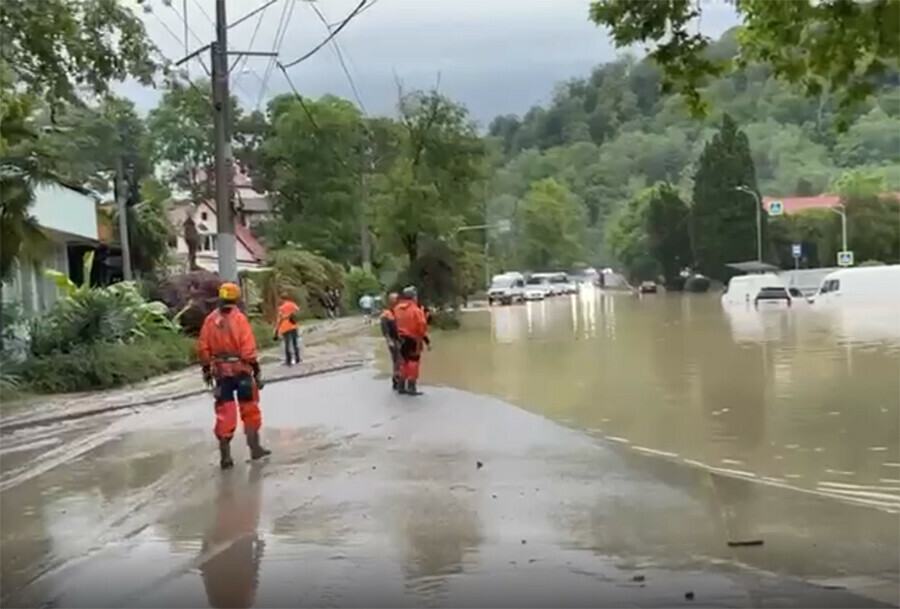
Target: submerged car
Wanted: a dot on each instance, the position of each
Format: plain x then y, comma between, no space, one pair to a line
648,287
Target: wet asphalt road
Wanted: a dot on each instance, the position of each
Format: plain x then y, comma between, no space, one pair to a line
372,499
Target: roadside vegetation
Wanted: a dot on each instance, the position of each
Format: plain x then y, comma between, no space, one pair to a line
635,165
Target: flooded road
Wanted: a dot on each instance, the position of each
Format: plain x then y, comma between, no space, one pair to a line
791,397
614,491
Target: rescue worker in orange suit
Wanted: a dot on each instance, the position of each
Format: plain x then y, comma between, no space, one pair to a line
232,547
288,328
389,332
228,354
412,329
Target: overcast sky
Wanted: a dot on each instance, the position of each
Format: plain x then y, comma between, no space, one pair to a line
495,56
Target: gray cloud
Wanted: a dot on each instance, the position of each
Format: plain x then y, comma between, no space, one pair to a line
495,56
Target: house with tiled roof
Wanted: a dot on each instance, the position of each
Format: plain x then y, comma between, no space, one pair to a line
251,254
792,205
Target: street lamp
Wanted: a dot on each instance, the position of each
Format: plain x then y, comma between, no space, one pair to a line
841,210
758,202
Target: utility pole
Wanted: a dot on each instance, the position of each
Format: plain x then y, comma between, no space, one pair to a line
122,207
365,240
227,244
221,99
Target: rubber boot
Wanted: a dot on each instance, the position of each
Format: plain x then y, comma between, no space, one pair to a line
256,449
411,388
395,383
225,460
401,386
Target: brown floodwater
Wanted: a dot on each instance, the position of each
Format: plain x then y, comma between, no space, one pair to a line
798,397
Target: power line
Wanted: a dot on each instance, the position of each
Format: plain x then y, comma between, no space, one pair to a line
340,56
205,14
185,21
251,13
252,40
178,38
280,32
333,33
367,7
310,116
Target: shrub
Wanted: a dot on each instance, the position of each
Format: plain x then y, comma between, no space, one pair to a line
871,263
102,366
116,313
358,282
190,295
307,276
444,319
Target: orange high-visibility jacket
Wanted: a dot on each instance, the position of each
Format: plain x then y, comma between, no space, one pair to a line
226,342
410,320
285,310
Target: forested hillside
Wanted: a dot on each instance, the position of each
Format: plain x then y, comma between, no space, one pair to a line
609,135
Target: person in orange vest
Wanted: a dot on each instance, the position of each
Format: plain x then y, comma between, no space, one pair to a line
287,326
389,332
227,352
412,329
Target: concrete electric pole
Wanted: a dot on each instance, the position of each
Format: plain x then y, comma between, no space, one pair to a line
227,243
221,108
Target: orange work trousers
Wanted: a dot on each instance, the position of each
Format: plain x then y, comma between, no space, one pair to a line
235,394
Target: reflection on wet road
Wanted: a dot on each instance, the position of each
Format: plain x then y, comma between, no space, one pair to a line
790,397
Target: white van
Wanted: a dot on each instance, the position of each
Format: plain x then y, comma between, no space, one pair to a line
507,288
761,289
868,284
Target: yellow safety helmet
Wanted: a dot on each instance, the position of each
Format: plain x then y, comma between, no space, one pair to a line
229,292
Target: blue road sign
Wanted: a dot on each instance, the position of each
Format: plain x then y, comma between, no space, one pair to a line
845,258
776,208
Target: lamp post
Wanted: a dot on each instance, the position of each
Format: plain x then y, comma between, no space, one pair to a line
841,210
758,202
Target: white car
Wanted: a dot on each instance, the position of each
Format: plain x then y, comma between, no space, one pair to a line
507,289
537,288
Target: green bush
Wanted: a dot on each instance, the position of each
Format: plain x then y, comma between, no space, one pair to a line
116,313
304,273
358,282
697,284
105,365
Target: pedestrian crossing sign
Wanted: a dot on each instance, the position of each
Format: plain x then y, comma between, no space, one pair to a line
776,208
845,258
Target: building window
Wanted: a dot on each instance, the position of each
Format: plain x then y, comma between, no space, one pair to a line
208,242
203,215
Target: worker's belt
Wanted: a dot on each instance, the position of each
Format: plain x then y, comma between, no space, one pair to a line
227,359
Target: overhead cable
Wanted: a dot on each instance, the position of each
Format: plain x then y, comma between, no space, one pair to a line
340,56
333,33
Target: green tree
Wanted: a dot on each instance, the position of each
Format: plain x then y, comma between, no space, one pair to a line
314,158
182,135
552,220
848,47
873,216
627,237
428,191
56,47
723,219
149,229
668,231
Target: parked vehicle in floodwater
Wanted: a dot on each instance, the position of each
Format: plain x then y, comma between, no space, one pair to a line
870,284
760,289
538,287
507,288
648,287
